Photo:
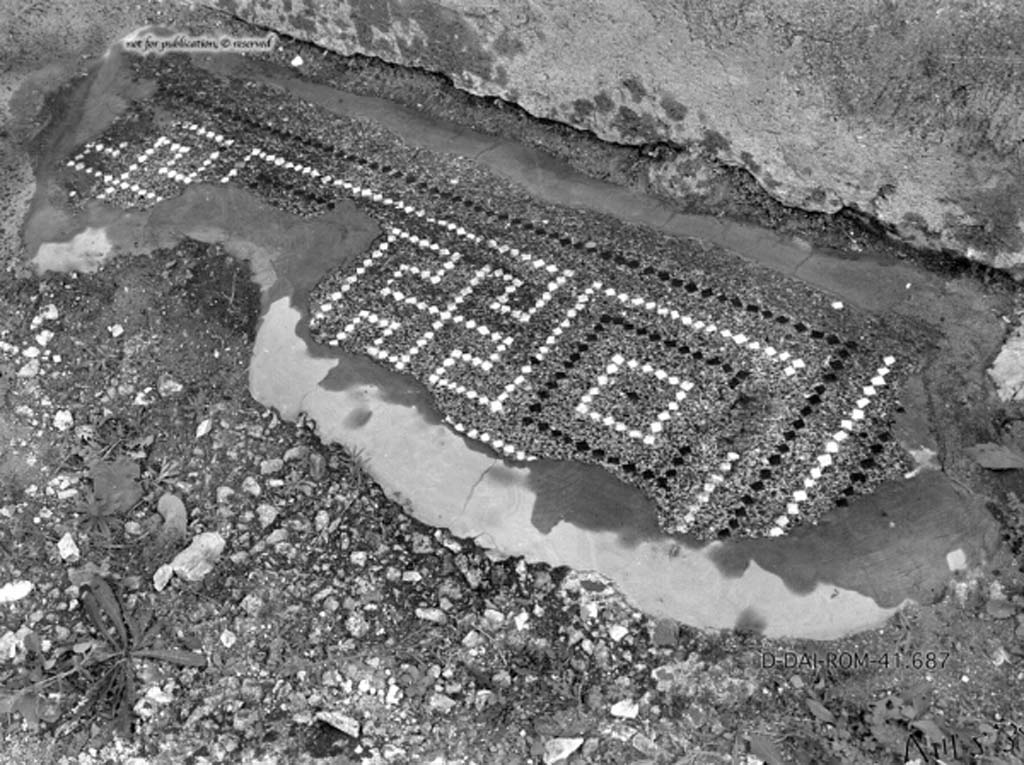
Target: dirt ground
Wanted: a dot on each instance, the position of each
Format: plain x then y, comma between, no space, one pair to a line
334,628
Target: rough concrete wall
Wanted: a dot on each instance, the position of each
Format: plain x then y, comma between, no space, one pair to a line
910,112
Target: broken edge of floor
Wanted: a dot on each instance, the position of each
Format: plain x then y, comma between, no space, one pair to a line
860,549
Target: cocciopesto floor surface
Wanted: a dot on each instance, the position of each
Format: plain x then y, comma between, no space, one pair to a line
743,402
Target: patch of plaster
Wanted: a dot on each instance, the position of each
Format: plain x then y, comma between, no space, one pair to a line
85,252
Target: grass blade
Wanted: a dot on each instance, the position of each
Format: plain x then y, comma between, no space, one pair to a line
172,656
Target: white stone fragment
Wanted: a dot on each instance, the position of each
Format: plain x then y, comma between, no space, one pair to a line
63,420
627,709
197,560
9,643
14,591
29,369
559,749
68,548
1007,371
162,576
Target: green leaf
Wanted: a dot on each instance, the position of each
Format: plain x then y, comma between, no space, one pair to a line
134,633
173,656
106,599
98,656
147,627
125,703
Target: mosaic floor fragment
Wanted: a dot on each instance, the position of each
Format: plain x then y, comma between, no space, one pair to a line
741,402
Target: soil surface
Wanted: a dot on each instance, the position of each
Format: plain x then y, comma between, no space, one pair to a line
187,578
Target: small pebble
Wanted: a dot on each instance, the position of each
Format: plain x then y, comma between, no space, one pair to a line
494,616
317,466
472,639
29,369
435,615
9,643
267,514
197,560
167,386
666,633
277,536
271,466
13,591
68,548
357,625
627,709
345,723
559,749
441,703
321,520
172,510
252,604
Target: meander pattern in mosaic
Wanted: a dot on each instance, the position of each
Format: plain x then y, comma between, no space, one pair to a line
585,341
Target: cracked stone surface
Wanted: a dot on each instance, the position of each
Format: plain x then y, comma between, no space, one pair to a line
907,113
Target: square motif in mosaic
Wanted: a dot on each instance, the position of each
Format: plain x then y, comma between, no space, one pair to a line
730,412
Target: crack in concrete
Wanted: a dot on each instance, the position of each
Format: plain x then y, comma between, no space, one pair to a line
476,484
487,149
800,265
